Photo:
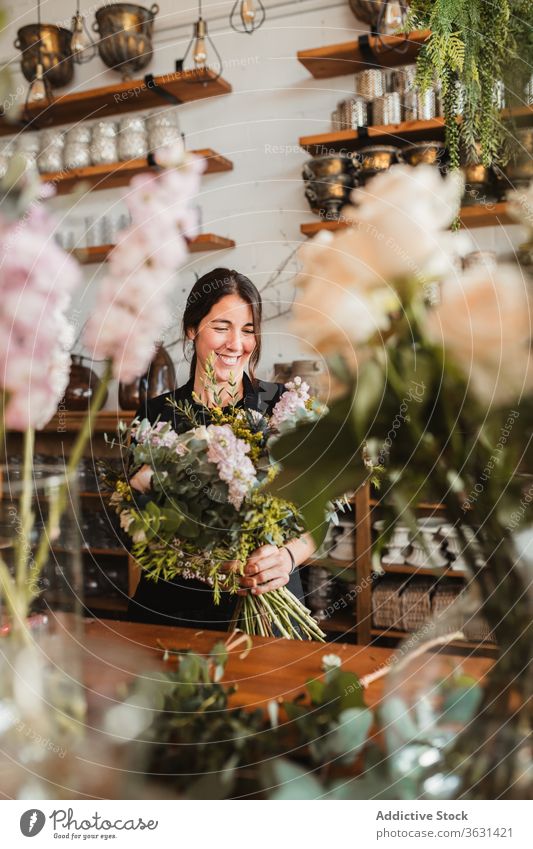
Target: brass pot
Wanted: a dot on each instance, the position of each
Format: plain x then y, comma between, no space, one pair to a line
125,31
160,378
329,181
82,385
375,158
480,183
424,153
50,45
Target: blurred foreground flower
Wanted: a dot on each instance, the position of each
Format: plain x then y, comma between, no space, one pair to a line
132,308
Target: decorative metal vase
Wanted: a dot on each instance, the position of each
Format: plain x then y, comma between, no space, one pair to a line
160,378
329,181
50,45
424,153
125,31
375,158
82,385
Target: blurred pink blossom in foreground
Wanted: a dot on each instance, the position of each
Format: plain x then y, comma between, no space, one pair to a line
132,308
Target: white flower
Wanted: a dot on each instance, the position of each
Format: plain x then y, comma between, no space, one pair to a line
126,518
484,324
330,661
351,280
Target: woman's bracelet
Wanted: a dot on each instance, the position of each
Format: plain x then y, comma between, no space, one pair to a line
291,555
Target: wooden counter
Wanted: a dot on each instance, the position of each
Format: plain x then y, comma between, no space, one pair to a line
118,651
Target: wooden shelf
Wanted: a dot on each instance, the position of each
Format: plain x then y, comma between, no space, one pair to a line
106,422
112,603
112,552
348,58
421,505
338,624
486,215
471,217
405,569
120,173
394,134
129,96
203,242
394,634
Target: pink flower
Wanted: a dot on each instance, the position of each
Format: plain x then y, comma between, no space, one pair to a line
132,307
36,281
292,400
234,467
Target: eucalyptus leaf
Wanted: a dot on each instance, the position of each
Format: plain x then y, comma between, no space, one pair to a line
286,781
461,704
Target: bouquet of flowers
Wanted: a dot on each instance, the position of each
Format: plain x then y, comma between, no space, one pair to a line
208,503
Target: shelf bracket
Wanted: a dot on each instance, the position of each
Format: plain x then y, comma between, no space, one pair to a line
151,83
367,54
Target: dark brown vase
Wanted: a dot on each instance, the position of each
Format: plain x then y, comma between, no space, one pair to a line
82,385
160,378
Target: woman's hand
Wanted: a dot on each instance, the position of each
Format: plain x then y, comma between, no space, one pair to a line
142,480
267,568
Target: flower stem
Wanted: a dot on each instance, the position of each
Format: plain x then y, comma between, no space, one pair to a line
26,515
57,507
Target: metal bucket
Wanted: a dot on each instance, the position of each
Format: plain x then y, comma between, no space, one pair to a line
125,31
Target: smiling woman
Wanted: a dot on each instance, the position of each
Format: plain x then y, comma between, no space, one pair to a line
223,321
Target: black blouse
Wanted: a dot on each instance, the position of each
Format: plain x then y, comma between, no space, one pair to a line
261,395
185,602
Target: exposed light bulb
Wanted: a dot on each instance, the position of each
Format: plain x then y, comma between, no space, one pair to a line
248,12
79,41
200,53
37,88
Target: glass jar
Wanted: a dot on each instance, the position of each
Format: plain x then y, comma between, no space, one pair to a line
163,129
81,133
162,136
132,145
76,154
28,143
50,157
103,150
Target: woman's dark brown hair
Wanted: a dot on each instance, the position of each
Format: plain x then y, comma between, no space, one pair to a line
208,291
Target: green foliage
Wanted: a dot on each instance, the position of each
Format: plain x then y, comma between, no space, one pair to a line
476,42
207,749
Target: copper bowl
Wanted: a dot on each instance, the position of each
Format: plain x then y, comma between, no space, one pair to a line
50,45
375,158
125,31
329,181
424,153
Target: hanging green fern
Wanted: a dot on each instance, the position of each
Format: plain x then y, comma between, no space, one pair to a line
473,45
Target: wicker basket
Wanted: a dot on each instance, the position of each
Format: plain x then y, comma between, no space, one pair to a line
386,603
445,608
416,603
